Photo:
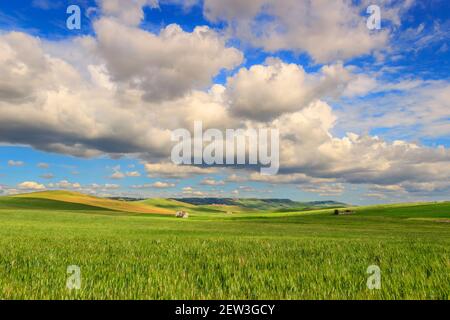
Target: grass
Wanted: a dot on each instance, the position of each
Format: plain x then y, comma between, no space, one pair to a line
301,255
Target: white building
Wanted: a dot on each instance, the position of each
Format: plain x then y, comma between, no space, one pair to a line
182,214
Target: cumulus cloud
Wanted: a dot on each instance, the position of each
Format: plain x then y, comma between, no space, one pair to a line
64,184
311,154
167,65
117,175
435,187
96,187
191,192
327,30
89,110
157,185
123,90
93,188
171,170
110,186
293,178
163,185
212,182
126,11
131,12
341,157
133,174
31,186
264,92
324,190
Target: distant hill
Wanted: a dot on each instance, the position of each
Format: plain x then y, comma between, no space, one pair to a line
68,200
261,204
130,199
78,202
89,202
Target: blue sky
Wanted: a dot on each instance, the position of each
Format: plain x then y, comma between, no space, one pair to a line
393,91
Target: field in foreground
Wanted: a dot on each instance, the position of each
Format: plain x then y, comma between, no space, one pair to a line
294,255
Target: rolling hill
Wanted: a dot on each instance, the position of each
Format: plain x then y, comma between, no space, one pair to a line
179,204
74,201
253,204
69,200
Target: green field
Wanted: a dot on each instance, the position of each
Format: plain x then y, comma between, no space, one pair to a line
217,255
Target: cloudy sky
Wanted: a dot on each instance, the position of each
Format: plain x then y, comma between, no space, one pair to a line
363,115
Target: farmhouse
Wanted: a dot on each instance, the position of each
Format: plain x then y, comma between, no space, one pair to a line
182,214
343,212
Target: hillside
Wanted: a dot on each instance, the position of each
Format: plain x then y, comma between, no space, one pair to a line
58,199
179,204
73,201
427,210
246,204
69,200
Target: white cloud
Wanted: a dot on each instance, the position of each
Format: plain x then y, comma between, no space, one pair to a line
127,12
14,163
163,185
327,30
95,187
309,148
212,182
264,92
156,185
164,66
189,191
293,178
65,185
132,174
131,12
65,110
335,189
117,175
111,186
171,170
31,185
